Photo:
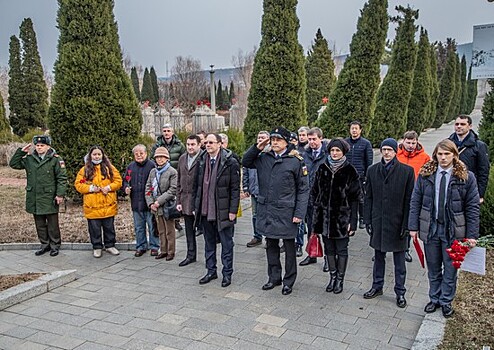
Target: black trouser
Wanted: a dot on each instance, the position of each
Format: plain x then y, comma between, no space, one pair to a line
274,263
48,230
95,226
211,235
379,271
335,246
361,199
190,235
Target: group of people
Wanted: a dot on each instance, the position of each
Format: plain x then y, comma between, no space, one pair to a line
298,183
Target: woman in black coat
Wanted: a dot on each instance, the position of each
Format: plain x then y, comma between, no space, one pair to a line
335,197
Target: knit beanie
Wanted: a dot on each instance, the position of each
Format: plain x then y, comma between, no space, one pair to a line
390,142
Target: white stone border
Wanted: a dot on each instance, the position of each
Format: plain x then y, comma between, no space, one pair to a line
431,332
31,289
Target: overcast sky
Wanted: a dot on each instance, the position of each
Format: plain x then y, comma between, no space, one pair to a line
154,32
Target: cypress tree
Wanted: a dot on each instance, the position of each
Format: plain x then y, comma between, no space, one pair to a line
454,108
16,91
34,85
431,115
4,123
147,93
472,91
446,88
154,84
231,92
354,94
135,82
277,93
394,94
319,67
486,127
420,100
219,96
464,86
92,100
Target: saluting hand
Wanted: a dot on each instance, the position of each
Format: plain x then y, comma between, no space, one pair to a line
26,148
261,145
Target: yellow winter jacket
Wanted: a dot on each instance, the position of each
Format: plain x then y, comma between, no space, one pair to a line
97,205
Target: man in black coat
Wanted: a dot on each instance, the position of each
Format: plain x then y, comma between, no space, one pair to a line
473,152
217,197
387,202
282,202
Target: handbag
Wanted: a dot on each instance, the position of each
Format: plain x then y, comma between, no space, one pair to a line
314,247
170,210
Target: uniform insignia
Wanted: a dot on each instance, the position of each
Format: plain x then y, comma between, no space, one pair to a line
305,171
62,164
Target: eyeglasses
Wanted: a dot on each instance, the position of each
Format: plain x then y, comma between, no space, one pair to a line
458,124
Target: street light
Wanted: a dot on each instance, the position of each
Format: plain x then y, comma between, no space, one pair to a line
213,97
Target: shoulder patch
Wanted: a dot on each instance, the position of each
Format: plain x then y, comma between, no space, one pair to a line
305,171
62,163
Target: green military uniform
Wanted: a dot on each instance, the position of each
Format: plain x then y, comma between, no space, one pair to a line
46,178
175,148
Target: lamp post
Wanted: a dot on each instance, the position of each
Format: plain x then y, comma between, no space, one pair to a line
213,97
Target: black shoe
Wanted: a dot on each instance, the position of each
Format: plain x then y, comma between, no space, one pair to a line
361,225
178,226
139,253
208,278
254,242
226,281
372,293
270,285
54,252
325,267
299,252
186,262
308,260
286,290
401,302
431,307
332,280
408,257
42,251
447,310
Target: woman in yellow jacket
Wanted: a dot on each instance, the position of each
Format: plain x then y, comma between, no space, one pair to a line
98,181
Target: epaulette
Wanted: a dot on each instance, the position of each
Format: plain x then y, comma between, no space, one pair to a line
296,154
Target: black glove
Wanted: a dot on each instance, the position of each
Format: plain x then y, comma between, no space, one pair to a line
368,228
404,233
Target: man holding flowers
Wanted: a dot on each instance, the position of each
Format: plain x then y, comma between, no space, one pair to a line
444,210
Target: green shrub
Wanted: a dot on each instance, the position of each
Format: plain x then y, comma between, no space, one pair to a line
487,208
236,141
28,136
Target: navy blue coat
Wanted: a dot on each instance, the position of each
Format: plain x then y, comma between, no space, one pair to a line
314,163
283,191
360,154
136,176
474,154
249,181
462,204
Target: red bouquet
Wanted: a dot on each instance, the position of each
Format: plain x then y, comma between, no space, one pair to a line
457,251
128,176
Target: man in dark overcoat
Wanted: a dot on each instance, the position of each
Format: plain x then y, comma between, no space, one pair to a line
387,202
45,189
217,197
282,202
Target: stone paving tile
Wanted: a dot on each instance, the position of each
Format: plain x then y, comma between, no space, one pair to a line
28,345
219,340
268,329
271,320
325,343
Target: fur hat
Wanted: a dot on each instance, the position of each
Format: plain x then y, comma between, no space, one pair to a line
390,142
44,139
161,152
339,143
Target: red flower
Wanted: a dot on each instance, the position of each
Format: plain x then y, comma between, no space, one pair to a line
457,252
83,181
456,264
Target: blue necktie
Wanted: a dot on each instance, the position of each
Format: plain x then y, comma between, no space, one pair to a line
442,198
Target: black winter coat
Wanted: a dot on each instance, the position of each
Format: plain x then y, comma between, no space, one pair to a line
335,200
474,154
283,191
227,194
314,163
360,154
462,204
136,176
386,205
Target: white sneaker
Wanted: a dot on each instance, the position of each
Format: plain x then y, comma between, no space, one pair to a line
113,251
97,253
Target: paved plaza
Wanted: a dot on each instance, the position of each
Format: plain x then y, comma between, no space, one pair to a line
125,302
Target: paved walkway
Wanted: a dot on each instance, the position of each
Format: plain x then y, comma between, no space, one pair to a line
125,302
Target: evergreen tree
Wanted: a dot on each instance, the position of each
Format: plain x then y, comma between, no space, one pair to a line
219,96
464,86
420,100
231,92
4,123
135,82
472,91
441,59
446,88
35,91
486,128
154,84
454,108
277,93
92,100
319,67
394,94
147,93
354,94
16,91
431,115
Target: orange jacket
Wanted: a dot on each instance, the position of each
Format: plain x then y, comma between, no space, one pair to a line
415,159
97,205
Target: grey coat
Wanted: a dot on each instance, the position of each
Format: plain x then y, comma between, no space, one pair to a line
386,205
166,190
283,191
